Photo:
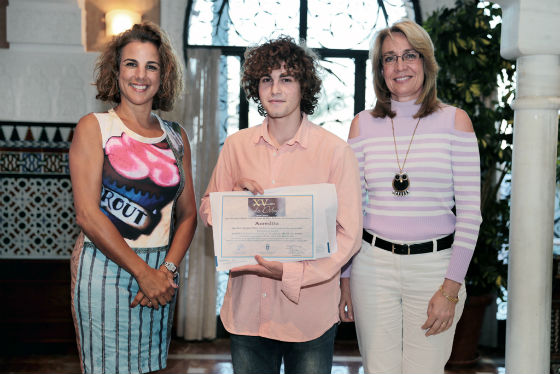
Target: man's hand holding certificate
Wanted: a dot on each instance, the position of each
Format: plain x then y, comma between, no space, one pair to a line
283,224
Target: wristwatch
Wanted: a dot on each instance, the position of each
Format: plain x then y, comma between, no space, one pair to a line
172,268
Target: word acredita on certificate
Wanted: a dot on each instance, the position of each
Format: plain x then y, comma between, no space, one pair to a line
284,224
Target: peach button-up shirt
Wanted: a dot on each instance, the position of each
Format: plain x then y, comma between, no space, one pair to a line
304,304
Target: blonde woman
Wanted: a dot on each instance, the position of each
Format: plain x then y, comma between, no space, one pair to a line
420,173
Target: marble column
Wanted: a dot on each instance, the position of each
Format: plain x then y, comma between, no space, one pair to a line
530,34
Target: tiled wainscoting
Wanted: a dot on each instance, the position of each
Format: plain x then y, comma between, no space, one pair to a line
36,208
37,233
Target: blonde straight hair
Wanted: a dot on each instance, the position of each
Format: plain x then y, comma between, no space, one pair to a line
421,42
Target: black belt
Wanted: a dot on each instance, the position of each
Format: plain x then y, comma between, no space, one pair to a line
409,249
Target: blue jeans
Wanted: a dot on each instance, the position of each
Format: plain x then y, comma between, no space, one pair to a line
258,355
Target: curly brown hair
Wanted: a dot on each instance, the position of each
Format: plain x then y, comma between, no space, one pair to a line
108,63
300,62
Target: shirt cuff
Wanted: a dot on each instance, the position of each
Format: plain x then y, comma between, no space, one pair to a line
292,274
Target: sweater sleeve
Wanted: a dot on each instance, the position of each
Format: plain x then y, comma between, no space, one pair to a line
357,147
465,164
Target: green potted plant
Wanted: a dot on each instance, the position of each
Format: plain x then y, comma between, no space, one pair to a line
474,77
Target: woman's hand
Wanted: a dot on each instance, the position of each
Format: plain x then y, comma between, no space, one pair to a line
245,184
157,287
345,309
441,311
144,301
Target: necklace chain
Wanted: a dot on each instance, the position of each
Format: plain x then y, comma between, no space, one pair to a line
409,144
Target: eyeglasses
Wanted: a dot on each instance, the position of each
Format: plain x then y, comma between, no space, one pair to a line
408,58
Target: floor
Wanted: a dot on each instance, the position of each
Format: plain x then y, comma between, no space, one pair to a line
210,358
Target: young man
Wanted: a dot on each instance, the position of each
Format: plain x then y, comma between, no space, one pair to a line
277,310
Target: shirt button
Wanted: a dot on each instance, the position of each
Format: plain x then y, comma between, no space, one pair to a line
264,294
275,153
273,181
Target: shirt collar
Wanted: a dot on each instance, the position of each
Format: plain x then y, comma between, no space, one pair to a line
301,137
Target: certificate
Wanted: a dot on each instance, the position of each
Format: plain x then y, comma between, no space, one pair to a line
284,224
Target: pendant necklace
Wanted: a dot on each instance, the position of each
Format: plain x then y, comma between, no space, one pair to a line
401,182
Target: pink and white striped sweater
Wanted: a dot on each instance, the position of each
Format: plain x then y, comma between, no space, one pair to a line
443,167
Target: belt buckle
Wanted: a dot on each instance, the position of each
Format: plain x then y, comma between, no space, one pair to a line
393,247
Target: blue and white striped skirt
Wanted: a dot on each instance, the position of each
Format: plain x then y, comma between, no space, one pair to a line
112,337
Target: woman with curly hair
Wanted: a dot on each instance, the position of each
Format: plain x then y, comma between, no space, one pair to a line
286,311
134,201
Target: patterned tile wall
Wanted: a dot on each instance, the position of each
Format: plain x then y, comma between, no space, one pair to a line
36,207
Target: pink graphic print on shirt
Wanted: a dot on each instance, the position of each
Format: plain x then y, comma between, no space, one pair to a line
139,179
135,160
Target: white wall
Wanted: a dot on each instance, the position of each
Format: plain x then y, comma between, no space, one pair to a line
46,75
